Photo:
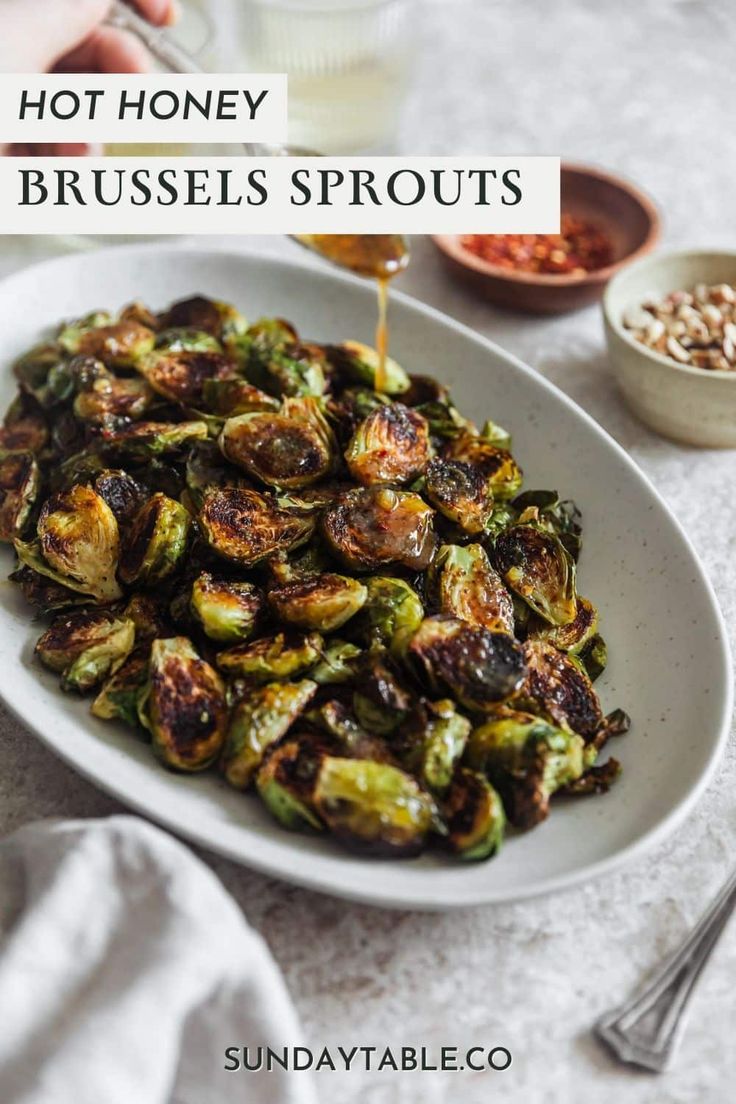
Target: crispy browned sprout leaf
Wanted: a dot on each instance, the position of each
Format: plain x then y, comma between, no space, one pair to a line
576,634
596,780
119,344
20,480
156,542
497,466
391,445
145,440
286,781
78,538
259,720
358,363
123,494
85,646
284,450
246,527
42,593
375,526
324,602
479,668
227,609
181,375
110,397
183,706
474,815
118,696
467,586
282,656
560,689
228,397
537,568
373,808
459,491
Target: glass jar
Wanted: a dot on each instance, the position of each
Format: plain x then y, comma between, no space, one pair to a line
348,63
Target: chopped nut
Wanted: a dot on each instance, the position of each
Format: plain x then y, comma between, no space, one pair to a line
695,327
675,349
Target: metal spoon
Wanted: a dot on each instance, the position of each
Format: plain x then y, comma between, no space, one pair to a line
646,1030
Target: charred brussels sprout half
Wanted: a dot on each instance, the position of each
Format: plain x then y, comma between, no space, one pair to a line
560,688
373,808
85,646
561,518
272,657
378,525
432,742
118,697
20,481
123,494
220,320
339,663
231,396
535,566
474,815
119,344
180,376
478,667
497,466
78,537
183,706
286,781
227,609
380,701
460,492
324,602
112,398
391,445
358,363
259,720
528,760
146,440
278,449
576,634
392,613
246,527
467,586
156,542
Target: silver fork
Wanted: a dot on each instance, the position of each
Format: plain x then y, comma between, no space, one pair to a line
646,1030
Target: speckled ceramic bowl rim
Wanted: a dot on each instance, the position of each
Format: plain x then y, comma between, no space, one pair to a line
598,275
615,321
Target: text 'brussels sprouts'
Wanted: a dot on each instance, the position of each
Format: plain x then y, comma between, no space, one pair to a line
183,706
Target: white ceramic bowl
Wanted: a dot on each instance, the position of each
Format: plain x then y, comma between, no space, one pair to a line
691,405
669,660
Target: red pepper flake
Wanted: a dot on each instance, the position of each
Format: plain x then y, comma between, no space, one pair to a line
580,247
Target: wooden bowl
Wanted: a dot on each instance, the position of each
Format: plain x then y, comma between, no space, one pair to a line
624,213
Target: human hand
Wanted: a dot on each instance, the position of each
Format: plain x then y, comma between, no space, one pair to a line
71,36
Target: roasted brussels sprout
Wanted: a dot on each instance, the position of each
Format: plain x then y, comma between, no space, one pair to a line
324,602
119,344
560,518
537,568
209,315
20,481
528,760
445,421
480,668
350,738
137,311
496,465
109,398
181,376
227,609
206,467
576,634
339,663
145,440
295,369
41,592
380,702
183,339
246,527
24,428
228,397
78,538
597,779
474,815
272,657
149,618
358,363
32,368
259,720
156,542
560,689
467,586
377,525
287,450
118,697
286,781
85,647
373,808
183,706
460,492
390,446
308,561
431,743
123,494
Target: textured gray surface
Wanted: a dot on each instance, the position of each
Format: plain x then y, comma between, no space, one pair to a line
647,88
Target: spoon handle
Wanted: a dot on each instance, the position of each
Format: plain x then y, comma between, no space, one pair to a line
646,1029
163,48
